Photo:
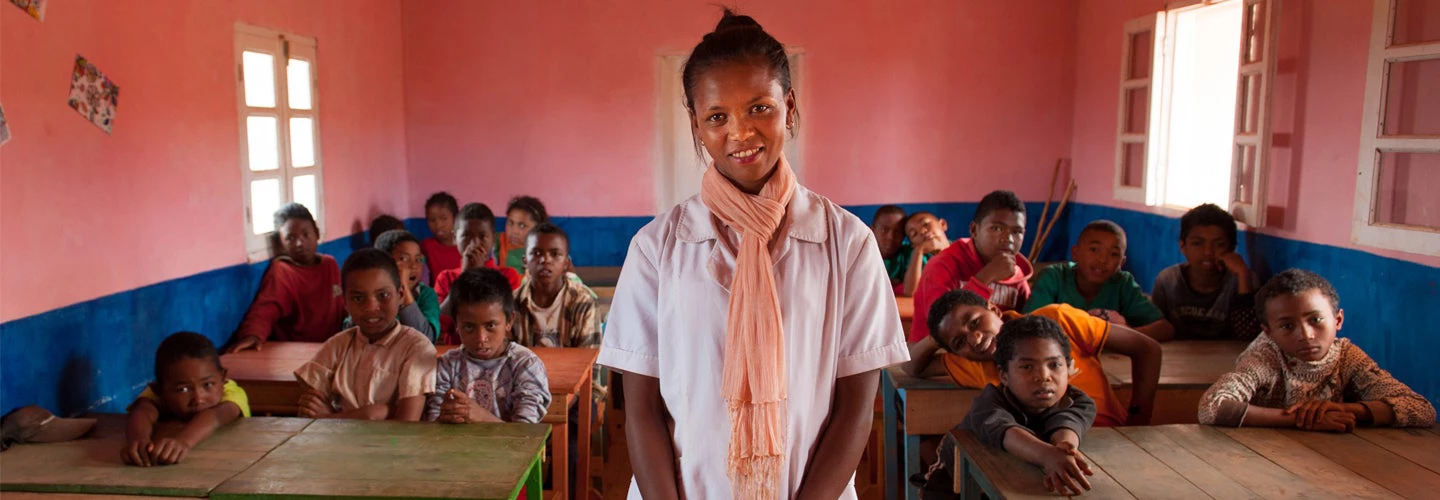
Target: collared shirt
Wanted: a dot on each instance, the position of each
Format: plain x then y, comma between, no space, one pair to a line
356,373
571,324
668,316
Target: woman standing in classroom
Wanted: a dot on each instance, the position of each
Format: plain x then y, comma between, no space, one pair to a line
750,321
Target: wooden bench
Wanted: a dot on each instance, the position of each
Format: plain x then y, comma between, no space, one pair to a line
1194,461
268,377
916,407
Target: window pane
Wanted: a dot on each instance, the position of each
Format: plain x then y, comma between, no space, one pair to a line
1137,110
304,188
1254,32
1245,179
302,142
1412,104
1142,46
298,83
259,71
1405,193
264,142
264,201
1416,21
1133,173
1249,105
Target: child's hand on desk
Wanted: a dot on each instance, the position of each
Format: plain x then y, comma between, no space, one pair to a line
246,342
314,405
1065,470
136,452
459,408
1326,416
168,451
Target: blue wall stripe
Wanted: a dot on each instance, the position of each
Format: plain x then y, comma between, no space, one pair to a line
97,355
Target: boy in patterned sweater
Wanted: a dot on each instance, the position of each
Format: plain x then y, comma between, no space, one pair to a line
1299,375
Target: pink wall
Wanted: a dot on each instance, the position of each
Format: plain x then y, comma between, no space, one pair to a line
558,99
83,214
1319,95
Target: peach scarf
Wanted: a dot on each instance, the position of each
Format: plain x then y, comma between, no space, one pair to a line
753,380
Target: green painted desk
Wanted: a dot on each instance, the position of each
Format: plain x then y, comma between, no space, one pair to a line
92,465
1194,461
268,377
358,459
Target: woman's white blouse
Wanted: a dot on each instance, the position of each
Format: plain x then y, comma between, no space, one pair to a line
667,321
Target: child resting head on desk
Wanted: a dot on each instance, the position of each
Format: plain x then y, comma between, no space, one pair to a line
1299,375
379,369
1034,413
190,386
490,378
968,326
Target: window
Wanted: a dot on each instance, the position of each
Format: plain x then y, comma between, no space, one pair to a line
1396,206
678,169
1193,125
279,130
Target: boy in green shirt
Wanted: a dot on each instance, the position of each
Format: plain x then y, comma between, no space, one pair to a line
1095,283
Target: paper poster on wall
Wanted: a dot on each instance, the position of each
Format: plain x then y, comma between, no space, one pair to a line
4,127
92,94
36,8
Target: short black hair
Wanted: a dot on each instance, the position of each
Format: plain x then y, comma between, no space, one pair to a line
529,204
1027,327
382,224
184,345
443,199
886,210
1106,226
998,200
1208,215
548,228
737,39
393,238
366,259
1293,282
290,211
946,304
482,286
475,211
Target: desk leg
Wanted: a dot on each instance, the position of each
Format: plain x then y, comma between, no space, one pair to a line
532,480
890,457
912,466
560,451
969,488
582,462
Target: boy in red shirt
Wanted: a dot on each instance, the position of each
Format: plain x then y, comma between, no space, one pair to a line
299,298
475,236
987,263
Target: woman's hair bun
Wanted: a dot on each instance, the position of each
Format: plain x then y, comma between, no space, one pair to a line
733,21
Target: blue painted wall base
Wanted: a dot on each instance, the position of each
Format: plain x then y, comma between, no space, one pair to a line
97,355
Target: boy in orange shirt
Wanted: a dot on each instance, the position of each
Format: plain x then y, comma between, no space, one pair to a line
965,325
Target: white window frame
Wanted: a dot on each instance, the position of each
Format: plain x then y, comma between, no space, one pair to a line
1366,231
283,46
1155,137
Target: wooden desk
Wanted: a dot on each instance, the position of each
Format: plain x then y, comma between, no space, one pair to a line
916,407
353,458
93,465
1193,461
268,377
